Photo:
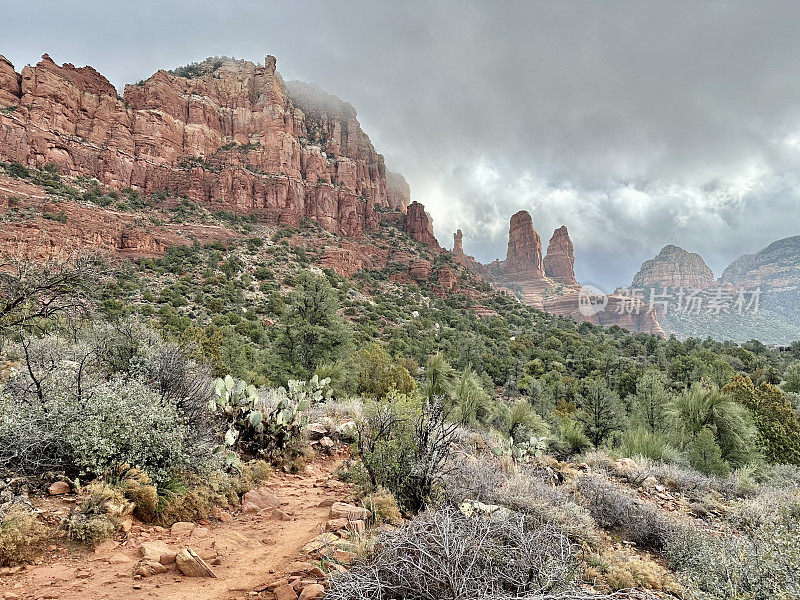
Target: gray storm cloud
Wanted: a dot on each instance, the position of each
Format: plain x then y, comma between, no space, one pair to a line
635,124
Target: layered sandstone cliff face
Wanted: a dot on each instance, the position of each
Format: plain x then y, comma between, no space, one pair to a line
231,136
674,267
559,262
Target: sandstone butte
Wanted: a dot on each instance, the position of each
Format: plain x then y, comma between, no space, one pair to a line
674,267
234,136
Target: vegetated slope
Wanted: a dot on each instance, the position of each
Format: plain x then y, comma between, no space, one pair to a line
455,370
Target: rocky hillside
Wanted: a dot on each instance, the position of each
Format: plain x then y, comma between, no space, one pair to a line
674,267
777,266
225,133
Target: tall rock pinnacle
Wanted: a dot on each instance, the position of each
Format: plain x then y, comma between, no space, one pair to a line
559,262
524,255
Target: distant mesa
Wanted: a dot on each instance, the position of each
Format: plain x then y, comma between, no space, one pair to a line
776,266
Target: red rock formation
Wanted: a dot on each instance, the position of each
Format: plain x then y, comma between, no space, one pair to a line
420,270
398,193
549,283
465,259
233,137
674,267
458,244
418,224
559,262
447,278
524,255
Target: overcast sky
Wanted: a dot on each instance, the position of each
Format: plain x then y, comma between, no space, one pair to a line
636,123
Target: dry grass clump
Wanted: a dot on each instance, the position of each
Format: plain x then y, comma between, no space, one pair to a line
622,569
21,536
98,515
383,506
137,487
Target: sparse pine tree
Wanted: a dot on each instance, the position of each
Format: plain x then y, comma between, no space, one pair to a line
600,411
650,401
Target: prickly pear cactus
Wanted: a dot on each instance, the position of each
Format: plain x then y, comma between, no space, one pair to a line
256,428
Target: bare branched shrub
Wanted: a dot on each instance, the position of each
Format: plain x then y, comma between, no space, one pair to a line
444,555
31,291
618,510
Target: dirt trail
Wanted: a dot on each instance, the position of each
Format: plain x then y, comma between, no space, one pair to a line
250,549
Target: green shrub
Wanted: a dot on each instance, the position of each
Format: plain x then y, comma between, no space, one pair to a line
773,415
705,455
646,443
120,421
378,373
405,447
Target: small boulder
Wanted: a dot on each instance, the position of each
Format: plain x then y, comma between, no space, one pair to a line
626,464
148,568
336,524
650,482
316,431
182,528
305,569
312,591
225,517
318,543
326,442
191,565
257,500
58,488
157,552
284,592
349,511
347,432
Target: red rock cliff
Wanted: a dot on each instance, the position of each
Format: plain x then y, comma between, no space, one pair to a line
419,225
524,255
232,135
559,262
